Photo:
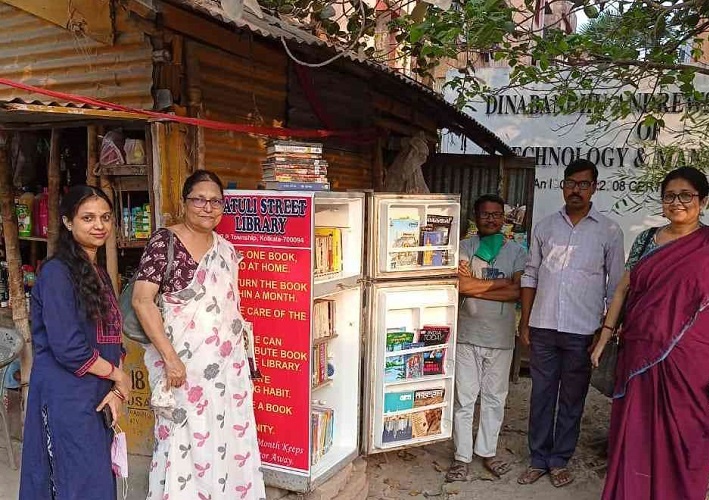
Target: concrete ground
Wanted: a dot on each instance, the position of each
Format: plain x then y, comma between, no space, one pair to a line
418,472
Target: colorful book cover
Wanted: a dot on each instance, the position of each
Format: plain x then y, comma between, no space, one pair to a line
397,429
333,235
394,369
442,224
433,362
398,401
398,340
428,397
433,335
426,423
414,365
403,233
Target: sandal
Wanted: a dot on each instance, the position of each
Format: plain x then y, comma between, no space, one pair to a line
458,471
531,475
560,476
496,466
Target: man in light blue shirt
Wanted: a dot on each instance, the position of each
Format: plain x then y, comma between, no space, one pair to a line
575,263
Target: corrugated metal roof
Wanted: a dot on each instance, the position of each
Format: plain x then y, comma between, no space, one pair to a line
275,29
37,52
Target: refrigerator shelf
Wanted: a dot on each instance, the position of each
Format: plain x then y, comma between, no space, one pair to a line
426,378
325,467
321,385
420,249
416,350
325,288
415,410
415,441
323,340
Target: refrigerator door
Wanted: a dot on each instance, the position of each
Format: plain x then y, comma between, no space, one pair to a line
413,236
410,365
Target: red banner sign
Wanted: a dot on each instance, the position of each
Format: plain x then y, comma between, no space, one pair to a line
274,233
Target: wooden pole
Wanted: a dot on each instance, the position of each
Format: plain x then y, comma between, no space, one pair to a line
53,184
20,314
91,155
111,243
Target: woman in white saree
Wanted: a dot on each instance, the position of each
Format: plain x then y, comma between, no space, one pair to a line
205,434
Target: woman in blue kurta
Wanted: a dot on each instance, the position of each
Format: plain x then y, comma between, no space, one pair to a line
77,370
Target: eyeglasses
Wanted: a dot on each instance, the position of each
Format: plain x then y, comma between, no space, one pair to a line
571,184
492,215
684,197
216,203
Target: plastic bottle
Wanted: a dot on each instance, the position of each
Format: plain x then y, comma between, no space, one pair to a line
41,214
126,223
23,208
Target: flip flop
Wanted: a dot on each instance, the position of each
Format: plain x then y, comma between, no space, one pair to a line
531,475
496,466
458,471
560,477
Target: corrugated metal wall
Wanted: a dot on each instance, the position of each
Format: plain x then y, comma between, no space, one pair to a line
237,89
474,175
39,53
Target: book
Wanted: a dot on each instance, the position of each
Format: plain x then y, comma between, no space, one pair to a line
433,335
428,397
441,224
398,401
328,250
323,318
433,362
431,238
426,423
403,233
438,231
294,147
398,340
296,186
397,429
414,365
319,375
394,369
322,426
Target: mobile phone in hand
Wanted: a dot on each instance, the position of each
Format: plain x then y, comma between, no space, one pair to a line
107,416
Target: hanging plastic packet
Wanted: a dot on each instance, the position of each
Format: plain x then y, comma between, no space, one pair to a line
119,457
248,333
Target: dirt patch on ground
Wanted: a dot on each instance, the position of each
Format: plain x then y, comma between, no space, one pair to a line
419,472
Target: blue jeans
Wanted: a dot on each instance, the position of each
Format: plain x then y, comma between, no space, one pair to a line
560,366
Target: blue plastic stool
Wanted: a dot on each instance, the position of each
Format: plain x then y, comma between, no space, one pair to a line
11,344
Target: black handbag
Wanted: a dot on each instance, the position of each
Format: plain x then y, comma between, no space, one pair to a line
603,377
131,325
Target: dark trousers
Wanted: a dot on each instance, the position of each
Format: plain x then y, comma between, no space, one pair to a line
560,366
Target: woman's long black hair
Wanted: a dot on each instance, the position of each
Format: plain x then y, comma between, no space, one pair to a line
88,285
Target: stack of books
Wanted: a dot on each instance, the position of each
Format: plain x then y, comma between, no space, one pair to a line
320,365
295,166
322,422
323,319
328,251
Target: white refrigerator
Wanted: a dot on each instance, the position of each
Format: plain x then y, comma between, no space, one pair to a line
410,320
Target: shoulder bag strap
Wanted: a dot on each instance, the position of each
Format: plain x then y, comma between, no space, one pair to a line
170,259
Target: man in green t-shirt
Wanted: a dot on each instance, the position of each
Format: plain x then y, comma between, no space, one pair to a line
490,270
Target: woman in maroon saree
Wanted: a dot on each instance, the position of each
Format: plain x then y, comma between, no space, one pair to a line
659,433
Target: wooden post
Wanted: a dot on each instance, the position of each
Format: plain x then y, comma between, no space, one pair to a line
53,182
20,314
91,155
112,242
